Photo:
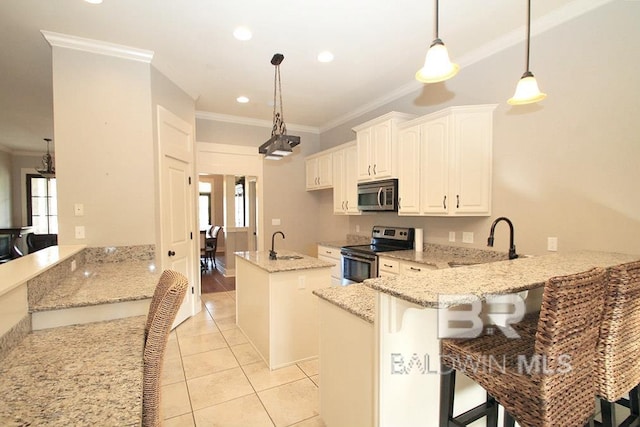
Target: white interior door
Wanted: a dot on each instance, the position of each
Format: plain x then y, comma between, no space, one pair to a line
177,206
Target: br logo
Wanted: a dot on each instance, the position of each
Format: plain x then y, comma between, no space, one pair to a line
468,320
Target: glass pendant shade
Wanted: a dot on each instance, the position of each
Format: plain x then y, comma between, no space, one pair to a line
527,91
437,65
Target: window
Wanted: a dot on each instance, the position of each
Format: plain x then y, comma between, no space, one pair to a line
42,205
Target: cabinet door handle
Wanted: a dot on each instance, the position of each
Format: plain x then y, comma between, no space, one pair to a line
374,169
329,252
457,201
399,204
444,202
343,205
346,204
369,170
388,265
415,269
171,253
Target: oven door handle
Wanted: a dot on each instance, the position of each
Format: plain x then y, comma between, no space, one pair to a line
357,258
379,194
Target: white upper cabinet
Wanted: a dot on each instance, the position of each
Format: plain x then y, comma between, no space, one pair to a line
319,171
345,184
448,172
377,147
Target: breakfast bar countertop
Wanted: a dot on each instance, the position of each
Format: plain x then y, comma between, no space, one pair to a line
447,287
287,261
87,374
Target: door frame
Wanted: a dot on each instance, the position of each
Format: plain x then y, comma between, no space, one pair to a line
225,159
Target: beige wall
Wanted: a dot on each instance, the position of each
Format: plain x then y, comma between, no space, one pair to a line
104,148
567,167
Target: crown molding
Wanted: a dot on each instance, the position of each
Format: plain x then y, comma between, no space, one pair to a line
545,23
97,46
227,118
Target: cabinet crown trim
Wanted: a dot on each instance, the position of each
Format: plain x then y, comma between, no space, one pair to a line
390,115
448,111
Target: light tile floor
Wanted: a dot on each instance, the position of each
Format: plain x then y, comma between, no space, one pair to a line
213,377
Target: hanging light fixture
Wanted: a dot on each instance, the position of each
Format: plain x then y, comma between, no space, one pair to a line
48,170
280,144
437,65
527,90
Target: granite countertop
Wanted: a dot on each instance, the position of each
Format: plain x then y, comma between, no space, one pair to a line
356,299
446,287
102,283
75,375
261,260
443,256
352,239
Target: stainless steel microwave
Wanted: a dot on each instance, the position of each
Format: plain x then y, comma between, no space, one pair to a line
378,196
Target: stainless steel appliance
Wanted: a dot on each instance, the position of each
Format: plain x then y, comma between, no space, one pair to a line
378,196
360,262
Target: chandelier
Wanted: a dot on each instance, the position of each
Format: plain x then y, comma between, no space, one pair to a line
48,170
280,144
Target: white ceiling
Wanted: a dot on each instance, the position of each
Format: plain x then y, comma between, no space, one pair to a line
378,46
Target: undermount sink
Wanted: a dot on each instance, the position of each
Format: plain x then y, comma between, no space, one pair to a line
288,257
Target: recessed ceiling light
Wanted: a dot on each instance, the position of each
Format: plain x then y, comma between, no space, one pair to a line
325,56
94,1
242,99
242,33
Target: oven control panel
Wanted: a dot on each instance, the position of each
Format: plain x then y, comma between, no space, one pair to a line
393,233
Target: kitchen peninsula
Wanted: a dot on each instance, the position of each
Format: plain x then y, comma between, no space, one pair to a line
275,308
406,325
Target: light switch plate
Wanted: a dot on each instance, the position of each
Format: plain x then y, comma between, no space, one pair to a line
467,237
452,236
79,231
552,244
78,209
275,221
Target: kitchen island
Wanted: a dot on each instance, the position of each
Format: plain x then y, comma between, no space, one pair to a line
275,308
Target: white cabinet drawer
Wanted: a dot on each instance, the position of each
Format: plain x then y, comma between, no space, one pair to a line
414,269
333,256
387,265
329,252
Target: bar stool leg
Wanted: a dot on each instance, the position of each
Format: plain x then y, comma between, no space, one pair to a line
634,401
447,388
509,421
608,412
492,413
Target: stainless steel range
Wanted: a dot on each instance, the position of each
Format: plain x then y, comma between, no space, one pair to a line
360,262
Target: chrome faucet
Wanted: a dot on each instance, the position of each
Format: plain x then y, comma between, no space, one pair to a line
272,252
512,246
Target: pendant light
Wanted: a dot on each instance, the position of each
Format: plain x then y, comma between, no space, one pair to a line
280,144
437,65
527,90
48,170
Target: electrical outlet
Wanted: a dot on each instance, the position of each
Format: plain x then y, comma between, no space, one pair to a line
552,244
79,231
275,221
357,228
78,209
452,236
467,237
301,282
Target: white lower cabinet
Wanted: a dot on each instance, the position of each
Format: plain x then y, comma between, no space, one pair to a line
347,369
333,256
394,267
445,163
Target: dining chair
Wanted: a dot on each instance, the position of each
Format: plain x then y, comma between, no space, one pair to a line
618,350
163,316
544,379
212,242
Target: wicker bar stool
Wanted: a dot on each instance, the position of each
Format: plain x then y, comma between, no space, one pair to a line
163,315
543,379
617,355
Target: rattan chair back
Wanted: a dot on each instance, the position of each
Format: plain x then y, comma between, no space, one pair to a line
618,351
167,278
156,344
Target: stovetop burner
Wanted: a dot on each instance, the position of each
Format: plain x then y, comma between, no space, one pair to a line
386,239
